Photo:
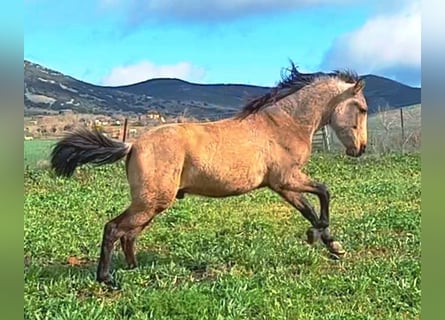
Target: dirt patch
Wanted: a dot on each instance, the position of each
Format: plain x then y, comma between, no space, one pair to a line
76,261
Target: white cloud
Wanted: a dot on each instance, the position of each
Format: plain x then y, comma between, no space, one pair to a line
144,70
387,43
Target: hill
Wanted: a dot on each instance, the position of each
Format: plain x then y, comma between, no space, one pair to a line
49,91
227,95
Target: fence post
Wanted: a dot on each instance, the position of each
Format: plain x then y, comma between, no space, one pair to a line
325,137
403,128
125,130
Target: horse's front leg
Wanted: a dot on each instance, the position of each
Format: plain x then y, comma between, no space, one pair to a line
299,202
323,194
298,182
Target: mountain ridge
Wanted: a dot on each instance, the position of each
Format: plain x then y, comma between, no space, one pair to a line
49,91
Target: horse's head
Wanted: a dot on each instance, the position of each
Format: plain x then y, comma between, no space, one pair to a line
349,119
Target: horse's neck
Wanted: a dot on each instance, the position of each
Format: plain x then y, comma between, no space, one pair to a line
304,111
310,118
313,112
283,123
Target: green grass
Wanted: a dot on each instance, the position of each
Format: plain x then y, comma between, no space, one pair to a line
35,151
237,258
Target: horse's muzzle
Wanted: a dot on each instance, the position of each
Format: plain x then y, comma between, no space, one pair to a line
354,152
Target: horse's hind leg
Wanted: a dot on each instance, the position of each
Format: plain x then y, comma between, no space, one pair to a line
127,243
129,224
113,230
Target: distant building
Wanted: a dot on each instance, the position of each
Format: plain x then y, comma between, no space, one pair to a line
155,115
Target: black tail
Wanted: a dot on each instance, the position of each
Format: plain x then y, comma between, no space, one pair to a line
84,146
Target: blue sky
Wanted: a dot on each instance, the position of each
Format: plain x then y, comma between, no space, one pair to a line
116,42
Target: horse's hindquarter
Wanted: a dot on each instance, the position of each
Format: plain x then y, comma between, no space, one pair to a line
156,162
223,158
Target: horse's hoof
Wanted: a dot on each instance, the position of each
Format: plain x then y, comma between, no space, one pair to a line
180,194
313,235
109,283
336,249
112,285
132,266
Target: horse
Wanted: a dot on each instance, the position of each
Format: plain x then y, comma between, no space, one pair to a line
265,145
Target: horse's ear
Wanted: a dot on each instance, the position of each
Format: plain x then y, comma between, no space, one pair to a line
359,86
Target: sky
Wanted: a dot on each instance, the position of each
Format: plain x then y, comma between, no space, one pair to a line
118,42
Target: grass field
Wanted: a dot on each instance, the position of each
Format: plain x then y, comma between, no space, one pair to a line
238,258
35,151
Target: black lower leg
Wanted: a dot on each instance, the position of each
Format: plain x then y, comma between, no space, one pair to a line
322,192
323,223
333,246
324,197
127,243
326,236
299,202
308,211
109,238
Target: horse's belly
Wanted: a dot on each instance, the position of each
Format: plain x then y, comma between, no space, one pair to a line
220,184
212,192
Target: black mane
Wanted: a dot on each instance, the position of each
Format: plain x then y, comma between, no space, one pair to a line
291,82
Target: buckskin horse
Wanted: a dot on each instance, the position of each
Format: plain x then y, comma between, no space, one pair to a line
265,145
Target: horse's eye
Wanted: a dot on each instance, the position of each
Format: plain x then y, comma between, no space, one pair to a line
360,107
